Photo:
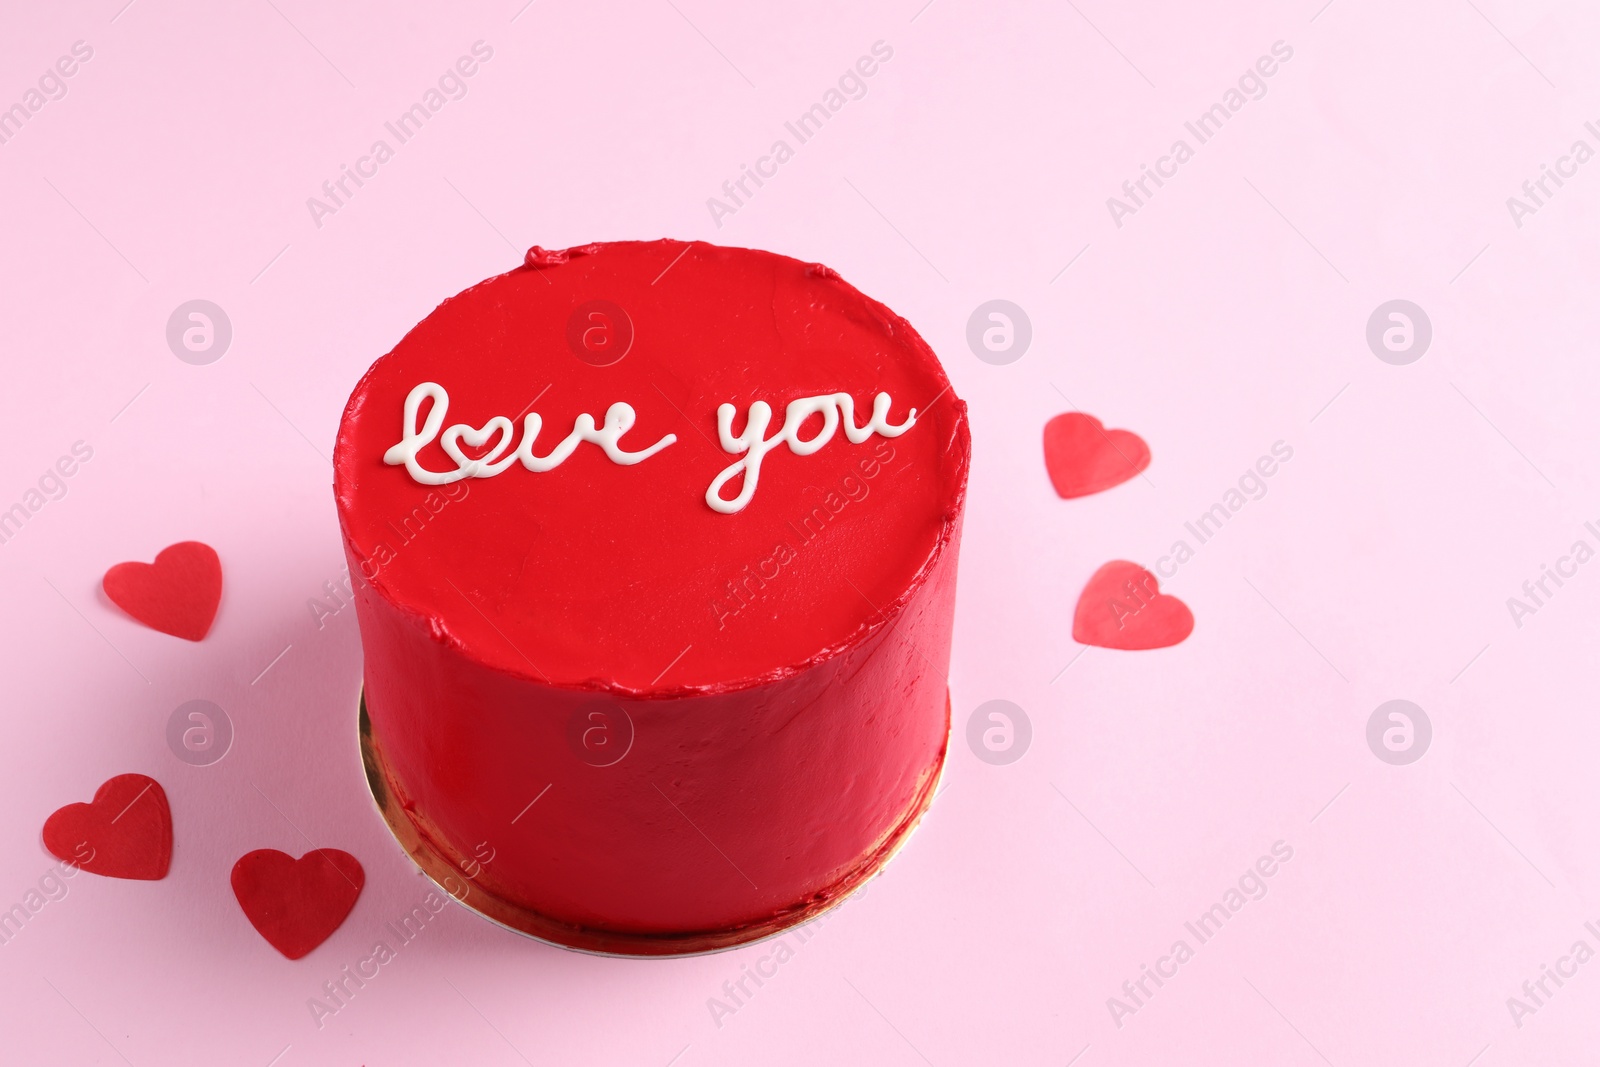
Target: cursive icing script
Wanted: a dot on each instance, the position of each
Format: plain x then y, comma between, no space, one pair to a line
836,409
619,419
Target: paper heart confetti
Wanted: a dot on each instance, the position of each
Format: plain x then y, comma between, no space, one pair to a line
178,594
296,904
124,832
1083,457
1122,607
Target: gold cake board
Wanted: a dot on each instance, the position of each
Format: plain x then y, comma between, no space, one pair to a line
453,881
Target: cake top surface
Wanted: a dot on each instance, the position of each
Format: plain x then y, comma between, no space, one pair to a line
653,468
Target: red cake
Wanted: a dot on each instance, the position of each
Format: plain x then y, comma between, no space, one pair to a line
658,547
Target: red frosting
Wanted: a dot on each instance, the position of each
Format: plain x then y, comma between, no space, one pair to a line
771,683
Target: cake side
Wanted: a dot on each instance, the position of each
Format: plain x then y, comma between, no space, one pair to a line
725,811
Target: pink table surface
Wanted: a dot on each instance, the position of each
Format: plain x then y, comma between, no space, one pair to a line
1227,313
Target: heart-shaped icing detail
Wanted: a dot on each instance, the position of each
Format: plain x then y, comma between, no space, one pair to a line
297,904
124,832
484,465
1122,606
178,594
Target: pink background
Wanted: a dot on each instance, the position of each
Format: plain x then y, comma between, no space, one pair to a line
1224,316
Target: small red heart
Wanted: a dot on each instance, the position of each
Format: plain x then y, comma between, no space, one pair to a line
1123,607
1084,457
296,904
178,594
124,832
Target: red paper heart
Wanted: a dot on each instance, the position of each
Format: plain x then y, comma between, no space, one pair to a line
124,832
1123,607
1083,457
177,594
297,903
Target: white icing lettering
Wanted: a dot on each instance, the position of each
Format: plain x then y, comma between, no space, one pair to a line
835,408
619,420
